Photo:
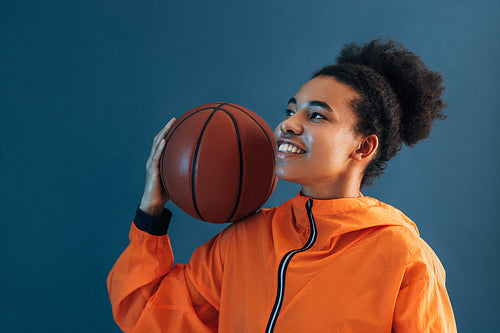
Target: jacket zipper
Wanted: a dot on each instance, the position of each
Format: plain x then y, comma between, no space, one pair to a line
283,266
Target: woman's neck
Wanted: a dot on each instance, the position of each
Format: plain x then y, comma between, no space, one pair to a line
330,191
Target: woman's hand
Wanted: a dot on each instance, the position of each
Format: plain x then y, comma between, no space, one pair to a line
155,196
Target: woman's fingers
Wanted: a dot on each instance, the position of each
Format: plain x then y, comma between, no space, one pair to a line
156,149
155,196
163,131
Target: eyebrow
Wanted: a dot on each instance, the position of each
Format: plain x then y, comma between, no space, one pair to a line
312,103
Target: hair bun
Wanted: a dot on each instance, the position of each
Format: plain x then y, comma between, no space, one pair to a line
417,89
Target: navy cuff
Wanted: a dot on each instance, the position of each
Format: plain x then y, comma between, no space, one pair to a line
153,225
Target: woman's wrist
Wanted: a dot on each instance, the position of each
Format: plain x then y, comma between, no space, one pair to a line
150,208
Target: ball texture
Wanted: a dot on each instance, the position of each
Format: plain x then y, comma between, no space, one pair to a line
218,162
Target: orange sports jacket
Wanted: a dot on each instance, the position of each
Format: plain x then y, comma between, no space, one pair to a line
341,265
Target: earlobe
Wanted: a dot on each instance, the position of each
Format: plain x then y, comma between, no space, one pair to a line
367,148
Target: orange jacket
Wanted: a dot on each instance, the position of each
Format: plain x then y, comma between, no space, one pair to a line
342,265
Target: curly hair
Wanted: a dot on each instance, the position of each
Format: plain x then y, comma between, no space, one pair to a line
400,97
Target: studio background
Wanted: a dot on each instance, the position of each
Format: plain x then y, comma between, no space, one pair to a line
86,85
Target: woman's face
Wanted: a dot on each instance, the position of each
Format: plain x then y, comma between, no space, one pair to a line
317,138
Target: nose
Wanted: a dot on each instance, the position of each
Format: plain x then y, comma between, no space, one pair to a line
292,125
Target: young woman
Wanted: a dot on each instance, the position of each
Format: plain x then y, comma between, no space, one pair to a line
329,259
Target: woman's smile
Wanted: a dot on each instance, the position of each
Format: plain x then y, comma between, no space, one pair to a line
287,148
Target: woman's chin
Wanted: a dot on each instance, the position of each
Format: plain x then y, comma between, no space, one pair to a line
286,176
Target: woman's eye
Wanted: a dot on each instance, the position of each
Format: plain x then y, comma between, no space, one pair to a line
289,113
316,115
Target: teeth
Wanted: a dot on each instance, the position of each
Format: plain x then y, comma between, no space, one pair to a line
288,148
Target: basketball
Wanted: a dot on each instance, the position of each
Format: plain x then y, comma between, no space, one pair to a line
218,162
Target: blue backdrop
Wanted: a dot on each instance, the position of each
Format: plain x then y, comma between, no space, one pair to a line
85,86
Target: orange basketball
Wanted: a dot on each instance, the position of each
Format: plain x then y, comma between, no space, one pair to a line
218,162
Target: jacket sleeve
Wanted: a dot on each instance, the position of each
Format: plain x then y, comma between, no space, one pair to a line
149,294
424,306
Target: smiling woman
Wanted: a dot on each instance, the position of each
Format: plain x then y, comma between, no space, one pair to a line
329,259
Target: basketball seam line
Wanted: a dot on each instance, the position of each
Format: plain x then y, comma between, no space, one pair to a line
195,157
268,139
240,150
171,135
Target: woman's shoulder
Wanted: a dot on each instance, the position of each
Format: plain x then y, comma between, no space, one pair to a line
405,245
253,221
419,260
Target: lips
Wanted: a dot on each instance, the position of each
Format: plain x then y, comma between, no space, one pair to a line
289,147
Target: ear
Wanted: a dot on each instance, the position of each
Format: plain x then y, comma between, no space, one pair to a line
367,148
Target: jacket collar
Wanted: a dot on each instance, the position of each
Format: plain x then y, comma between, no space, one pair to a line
343,215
